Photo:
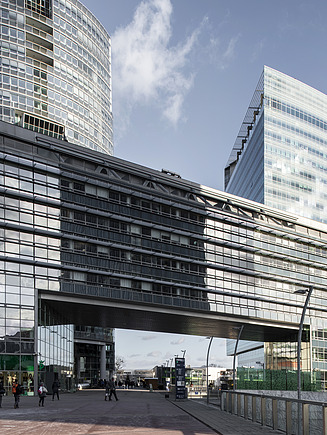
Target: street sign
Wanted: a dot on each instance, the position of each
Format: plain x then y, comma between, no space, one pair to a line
180,378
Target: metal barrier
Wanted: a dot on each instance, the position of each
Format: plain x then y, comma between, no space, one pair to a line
280,413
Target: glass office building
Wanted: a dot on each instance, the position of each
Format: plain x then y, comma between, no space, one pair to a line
279,155
89,239
55,71
55,79
279,159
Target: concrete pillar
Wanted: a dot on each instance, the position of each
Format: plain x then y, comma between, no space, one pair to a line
103,373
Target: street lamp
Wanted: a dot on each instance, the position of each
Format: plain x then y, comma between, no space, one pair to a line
211,338
235,350
307,291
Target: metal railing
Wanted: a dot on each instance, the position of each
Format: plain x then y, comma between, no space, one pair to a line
279,413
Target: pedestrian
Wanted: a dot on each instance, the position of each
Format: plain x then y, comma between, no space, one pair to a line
2,392
55,389
42,392
112,388
107,390
17,391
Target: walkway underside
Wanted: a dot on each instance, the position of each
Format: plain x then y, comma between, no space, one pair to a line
104,313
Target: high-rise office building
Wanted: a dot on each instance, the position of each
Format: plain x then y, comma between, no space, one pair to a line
55,71
279,156
279,159
55,79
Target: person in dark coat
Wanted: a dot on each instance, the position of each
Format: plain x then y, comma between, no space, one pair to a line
55,389
2,392
112,388
17,391
107,392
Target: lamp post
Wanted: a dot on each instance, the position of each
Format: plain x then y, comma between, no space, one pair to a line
208,351
234,357
308,292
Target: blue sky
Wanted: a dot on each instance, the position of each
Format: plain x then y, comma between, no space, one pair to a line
183,74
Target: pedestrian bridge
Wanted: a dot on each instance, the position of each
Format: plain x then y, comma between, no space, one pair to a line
162,314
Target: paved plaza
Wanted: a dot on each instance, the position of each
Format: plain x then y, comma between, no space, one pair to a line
137,412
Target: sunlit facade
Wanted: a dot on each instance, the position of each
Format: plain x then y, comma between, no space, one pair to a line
279,159
279,155
55,71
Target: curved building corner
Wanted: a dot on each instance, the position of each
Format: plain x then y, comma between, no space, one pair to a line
55,71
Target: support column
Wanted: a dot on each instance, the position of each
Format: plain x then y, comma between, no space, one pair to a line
103,373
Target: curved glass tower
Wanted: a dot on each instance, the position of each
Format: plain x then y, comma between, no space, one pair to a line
55,71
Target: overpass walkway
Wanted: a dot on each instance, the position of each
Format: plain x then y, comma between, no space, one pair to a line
138,412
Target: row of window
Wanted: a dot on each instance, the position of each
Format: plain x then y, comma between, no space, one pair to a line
294,129
296,112
66,8
269,242
68,42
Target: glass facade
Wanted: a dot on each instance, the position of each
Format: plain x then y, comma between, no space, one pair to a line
91,343
279,160
55,349
55,71
278,157
80,229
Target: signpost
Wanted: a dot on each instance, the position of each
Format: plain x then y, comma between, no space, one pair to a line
180,378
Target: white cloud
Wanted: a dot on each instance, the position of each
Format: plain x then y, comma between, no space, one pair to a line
149,337
180,341
146,69
221,56
258,49
154,354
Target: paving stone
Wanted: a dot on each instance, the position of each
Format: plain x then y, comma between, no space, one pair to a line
138,412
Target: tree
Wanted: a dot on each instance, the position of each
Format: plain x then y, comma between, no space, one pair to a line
120,362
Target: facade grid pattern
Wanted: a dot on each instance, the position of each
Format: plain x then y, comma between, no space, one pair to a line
55,67
111,230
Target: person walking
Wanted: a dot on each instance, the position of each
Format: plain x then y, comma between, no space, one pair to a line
107,390
17,391
2,392
55,389
112,389
42,392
